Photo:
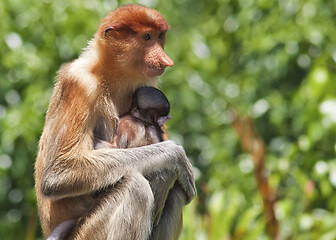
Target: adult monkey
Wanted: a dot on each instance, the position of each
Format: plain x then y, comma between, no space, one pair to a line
104,192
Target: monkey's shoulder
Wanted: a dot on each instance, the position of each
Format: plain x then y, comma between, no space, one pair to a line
75,78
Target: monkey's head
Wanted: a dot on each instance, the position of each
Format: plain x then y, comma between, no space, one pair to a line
150,105
132,38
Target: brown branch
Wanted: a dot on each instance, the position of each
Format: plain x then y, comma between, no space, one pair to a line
253,144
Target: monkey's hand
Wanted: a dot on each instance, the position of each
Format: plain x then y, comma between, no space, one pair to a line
184,170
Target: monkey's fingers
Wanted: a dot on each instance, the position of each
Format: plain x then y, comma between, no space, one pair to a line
189,188
183,168
187,180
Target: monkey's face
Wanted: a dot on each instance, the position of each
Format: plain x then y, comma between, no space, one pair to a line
147,58
150,116
155,60
133,39
150,105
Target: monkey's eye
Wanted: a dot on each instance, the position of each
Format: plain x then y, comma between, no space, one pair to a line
146,37
161,35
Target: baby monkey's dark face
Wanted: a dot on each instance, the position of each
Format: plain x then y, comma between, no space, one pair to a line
150,105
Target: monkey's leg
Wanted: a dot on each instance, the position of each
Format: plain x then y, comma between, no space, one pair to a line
123,211
170,223
161,183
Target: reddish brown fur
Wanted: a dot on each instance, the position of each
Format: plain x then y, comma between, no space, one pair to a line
134,133
133,18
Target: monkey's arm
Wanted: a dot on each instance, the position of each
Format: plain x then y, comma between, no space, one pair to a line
98,169
165,133
71,167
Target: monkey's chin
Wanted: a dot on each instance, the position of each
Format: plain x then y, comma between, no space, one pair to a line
153,72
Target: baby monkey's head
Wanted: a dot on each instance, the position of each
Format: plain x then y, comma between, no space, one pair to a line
150,105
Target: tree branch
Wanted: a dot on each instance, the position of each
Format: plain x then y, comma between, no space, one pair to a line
253,144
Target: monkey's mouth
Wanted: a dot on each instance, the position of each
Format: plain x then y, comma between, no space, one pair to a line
153,71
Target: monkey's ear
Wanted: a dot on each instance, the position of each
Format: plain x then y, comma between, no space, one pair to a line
107,30
118,27
115,27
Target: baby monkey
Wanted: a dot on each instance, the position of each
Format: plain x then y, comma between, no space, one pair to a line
141,125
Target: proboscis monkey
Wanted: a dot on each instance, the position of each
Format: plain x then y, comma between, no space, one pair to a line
104,193
141,125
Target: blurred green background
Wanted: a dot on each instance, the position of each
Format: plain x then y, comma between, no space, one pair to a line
273,61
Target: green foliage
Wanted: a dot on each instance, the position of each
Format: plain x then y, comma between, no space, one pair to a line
271,60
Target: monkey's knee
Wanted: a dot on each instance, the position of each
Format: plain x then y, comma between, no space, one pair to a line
170,224
133,220
140,191
123,211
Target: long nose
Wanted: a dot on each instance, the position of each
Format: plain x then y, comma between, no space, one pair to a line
165,61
